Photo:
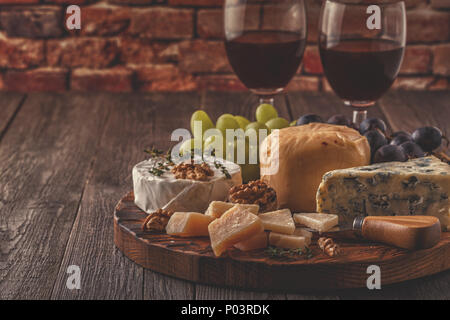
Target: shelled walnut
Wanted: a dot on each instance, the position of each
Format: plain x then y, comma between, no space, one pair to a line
328,246
192,171
157,221
254,192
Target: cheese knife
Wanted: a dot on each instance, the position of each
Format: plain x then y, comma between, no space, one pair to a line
407,232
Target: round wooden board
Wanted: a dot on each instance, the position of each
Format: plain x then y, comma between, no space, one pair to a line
192,259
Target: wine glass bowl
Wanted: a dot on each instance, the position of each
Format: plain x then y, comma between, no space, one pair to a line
361,49
265,42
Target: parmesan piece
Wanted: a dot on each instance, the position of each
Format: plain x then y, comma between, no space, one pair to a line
318,221
188,224
286,241
233,226
278,221
302,232
258,241
217,208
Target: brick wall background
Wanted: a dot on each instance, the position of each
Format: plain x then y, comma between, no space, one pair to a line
174,45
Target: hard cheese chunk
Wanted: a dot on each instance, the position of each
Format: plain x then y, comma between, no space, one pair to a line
278,221
217,208
258,241
318,221
232,227
416,187
302,232
188,224
286,241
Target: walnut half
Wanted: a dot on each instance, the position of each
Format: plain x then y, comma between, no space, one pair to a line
192,171
254,192
157,221
328,246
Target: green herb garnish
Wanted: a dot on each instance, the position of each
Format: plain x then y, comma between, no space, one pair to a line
274,252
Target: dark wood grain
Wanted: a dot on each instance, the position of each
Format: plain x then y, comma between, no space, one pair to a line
52,179
9,105
44,162
134,123
192,259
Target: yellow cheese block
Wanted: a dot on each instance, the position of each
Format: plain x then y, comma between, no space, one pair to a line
188,224
299,156
318,221
286,241
279,221
258,241
217,208
232,227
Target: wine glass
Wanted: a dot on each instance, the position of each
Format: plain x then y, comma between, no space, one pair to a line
361,48
265,42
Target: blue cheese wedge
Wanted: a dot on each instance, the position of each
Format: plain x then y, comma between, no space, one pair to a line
416,187
163,190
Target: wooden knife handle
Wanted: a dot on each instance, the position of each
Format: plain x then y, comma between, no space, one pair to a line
408,232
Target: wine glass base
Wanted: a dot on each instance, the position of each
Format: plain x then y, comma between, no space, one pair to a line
267,92
359,104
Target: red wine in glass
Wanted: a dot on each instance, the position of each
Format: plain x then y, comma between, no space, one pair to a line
265,60
361,69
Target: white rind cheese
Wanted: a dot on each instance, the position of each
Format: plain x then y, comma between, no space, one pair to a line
417,187
152,192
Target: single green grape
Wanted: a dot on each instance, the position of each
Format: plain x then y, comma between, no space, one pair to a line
212,146
206,121
226,121
277,123
243,122
256,126
265,112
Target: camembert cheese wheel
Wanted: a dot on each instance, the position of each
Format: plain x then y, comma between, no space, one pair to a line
294,160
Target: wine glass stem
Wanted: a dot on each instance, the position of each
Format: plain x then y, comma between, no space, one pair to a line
359,116
266,99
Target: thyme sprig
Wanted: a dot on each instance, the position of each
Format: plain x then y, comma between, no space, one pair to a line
278,253
164,165
222,168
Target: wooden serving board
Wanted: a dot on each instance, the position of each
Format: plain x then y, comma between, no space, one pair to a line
192,259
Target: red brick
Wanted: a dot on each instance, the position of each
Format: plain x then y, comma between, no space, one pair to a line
69,2
311,61
428,25
198,56
220,83
114,80
198,3
2,82
304,83
417,60
210,21
164,77
18,1
162,23
440,84
313,14
82,52
104,20
42,79
441,63
139,51
440,4
20,53
32,22
136,2
326,85
412,83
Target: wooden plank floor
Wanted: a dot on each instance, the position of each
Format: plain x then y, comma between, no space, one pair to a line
65,160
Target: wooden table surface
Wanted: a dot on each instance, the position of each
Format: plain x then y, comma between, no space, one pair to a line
66,159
